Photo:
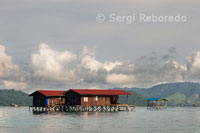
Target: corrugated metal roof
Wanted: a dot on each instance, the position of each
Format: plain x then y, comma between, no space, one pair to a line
50,92
156,99
99,92
153,99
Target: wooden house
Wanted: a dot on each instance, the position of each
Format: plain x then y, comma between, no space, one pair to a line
93,97
157,103
48,98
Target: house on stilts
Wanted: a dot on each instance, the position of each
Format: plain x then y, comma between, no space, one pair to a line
80,100
157,103
48,98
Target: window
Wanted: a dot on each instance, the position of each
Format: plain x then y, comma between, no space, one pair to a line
85,99
96,98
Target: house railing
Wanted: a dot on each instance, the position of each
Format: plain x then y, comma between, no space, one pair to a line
79,108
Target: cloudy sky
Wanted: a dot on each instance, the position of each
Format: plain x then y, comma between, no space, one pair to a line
58,44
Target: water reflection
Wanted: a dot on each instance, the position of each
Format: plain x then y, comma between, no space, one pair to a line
86,114
142,120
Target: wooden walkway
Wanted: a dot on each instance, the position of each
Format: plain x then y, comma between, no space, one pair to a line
78,108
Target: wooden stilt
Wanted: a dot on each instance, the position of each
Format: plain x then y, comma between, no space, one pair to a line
79,108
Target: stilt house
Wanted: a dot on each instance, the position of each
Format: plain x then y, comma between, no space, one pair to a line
157,103
93,97
48,98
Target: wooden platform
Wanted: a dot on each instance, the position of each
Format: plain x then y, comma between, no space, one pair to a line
157,107
78,108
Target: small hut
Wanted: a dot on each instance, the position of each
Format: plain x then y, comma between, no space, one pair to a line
157,103
93,97
48,98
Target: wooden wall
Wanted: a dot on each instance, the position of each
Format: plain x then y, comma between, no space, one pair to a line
39,100
56,101
102,100
72,98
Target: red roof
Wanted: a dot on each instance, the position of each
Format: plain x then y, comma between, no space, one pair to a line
50,92
99,92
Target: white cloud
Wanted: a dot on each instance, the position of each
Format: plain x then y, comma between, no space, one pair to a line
6,65
150,74
193,66
10,75
119,78
91,63
64,69
14,85
193,62
172,71
111,65
52,64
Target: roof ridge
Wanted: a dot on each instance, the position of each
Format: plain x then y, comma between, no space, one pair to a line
50,90
100,92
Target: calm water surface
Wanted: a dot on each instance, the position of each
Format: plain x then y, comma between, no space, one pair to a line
172,120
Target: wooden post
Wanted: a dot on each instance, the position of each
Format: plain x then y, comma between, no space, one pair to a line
127,99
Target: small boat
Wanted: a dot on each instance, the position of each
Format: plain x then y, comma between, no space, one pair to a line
195,105
14,105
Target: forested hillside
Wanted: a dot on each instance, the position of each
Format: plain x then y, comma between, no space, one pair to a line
134,99
183,94
8,97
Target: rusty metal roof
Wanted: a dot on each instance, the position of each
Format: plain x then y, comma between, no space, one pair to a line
99,92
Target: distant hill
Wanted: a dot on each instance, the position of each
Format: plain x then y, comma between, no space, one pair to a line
186,93
134,99
8,97
179,94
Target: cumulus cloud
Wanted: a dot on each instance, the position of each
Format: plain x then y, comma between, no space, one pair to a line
172,71
193,66
106,73
151,74
89,71
10,75
14,84
6,65
119,78
64,69
108,66
155,58
52,64
91,63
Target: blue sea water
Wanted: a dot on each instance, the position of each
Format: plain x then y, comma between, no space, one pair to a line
172,120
